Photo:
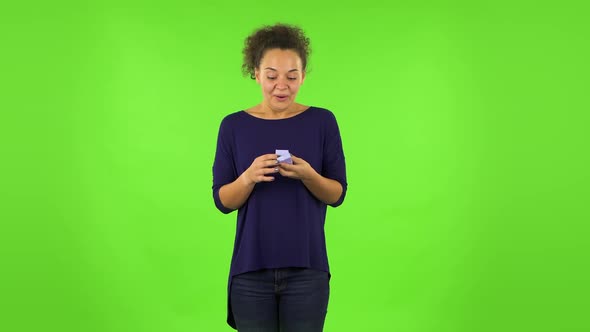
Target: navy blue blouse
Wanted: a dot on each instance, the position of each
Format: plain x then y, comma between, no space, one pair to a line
281,224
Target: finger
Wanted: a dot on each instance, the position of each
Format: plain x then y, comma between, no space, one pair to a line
296,159
270,163
289,174
285,166
268,156
266,179
286,173
269,170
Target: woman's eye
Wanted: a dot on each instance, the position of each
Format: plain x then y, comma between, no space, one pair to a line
289,78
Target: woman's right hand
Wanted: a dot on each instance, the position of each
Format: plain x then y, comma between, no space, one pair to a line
260,169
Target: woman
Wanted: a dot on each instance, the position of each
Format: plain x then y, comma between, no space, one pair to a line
279,274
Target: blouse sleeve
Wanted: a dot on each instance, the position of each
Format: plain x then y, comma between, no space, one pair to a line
224,170
333,163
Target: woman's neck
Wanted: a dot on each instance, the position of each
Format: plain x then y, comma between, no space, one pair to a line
266,112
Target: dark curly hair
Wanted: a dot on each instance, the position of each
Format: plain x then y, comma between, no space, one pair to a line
282,36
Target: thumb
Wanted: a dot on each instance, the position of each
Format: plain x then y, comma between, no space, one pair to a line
296,159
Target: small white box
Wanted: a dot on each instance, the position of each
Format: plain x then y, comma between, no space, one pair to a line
284,156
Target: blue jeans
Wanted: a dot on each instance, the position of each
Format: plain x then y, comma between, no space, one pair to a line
285,300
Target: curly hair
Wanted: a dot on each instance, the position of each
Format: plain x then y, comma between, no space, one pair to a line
282,36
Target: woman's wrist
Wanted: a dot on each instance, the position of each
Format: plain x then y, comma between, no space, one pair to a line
311,176
245,180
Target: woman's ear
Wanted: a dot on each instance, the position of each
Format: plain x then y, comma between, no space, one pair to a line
257,75
302,77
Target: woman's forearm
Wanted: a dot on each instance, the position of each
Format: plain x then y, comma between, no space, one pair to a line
233,195
324,189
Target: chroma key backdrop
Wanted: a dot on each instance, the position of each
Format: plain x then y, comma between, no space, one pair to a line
464,126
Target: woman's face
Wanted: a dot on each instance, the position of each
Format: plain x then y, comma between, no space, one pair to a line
280,75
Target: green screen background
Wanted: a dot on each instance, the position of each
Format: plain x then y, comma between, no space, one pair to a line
465,131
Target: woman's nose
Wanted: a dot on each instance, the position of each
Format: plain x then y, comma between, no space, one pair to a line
281,84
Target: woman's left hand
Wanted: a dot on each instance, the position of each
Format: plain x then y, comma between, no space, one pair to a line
300,169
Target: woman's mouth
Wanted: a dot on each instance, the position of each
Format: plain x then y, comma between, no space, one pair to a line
281,98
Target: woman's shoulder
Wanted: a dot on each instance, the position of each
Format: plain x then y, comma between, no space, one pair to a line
322,110
323,113
231,118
